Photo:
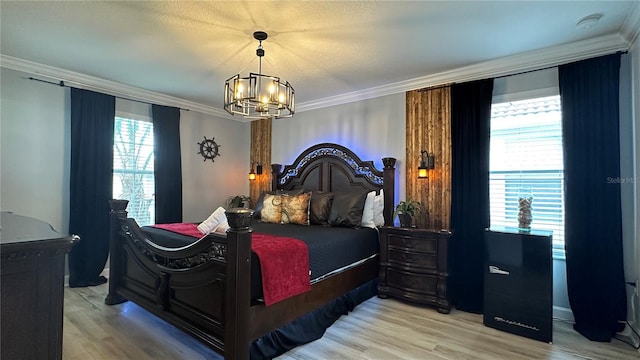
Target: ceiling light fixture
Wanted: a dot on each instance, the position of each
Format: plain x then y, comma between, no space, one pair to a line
259,96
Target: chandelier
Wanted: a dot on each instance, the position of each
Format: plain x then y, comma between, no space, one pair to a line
259,96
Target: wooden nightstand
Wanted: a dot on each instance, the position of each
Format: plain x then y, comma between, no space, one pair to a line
413,266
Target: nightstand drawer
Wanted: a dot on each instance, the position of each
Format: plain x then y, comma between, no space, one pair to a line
404,258
419,283
413,266
429,245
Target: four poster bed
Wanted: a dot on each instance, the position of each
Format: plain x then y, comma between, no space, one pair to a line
206,286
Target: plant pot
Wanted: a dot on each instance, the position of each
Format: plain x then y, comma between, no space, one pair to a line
405,220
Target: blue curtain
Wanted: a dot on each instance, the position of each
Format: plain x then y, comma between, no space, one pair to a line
589,92
92,117
167,164
470,135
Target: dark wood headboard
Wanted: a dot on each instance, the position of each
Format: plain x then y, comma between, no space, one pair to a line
334,168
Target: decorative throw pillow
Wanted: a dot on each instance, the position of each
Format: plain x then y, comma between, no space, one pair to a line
271,208
378,209
346,209
367,212
319,207
260,201
295,209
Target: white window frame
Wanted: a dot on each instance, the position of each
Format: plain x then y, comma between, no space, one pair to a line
132,213
558,248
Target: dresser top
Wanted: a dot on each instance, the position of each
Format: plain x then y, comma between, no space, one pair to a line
514,230
20,229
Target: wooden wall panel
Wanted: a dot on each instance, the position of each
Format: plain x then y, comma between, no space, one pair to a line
261,154
429,128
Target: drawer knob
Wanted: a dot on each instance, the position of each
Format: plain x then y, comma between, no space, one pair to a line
407,257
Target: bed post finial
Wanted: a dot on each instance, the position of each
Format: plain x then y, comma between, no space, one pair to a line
239,218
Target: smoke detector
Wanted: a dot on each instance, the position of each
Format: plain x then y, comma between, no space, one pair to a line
589,21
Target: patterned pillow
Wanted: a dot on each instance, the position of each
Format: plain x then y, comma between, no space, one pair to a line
271,208
295,209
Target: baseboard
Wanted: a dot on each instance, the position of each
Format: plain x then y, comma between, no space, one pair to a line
563,313
630,336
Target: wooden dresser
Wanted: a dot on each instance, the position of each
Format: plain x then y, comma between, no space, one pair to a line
413,266
32,258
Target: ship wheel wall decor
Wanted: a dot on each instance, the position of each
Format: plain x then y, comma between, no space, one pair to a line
209,149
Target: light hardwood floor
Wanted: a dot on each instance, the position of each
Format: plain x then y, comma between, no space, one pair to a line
377,329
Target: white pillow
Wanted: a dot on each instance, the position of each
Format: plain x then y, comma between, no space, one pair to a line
221,228
212,221
378,208
367,212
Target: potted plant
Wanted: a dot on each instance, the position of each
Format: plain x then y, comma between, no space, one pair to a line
405,210
237,201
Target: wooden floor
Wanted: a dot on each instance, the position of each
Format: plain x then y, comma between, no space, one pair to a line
377,329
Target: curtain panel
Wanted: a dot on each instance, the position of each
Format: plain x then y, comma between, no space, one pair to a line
429,128
91,184
470,137
589,92
167,164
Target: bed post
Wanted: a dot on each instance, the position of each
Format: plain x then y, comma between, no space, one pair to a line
275,176
389,178
238,289
118,211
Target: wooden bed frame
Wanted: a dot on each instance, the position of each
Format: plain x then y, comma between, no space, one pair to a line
204,288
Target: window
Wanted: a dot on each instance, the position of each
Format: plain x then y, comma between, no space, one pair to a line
526,153
133,168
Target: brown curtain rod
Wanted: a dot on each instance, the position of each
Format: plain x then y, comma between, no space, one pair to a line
62,84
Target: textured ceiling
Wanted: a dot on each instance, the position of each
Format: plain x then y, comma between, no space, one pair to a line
186,49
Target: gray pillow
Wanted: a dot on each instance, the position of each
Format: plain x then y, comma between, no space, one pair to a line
346,209
319,207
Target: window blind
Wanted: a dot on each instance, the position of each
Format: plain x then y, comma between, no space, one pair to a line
526,156
133,168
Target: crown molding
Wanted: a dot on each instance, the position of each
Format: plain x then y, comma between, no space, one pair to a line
87,82
518,63
631,26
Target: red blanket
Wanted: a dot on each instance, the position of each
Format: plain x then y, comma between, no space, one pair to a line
284,262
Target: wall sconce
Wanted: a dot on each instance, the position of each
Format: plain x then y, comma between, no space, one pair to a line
252,174
427,162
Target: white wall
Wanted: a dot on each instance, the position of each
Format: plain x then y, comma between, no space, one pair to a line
35,153
373,129
34,146
205,184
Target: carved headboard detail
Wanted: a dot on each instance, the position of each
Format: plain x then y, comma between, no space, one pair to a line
334,168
